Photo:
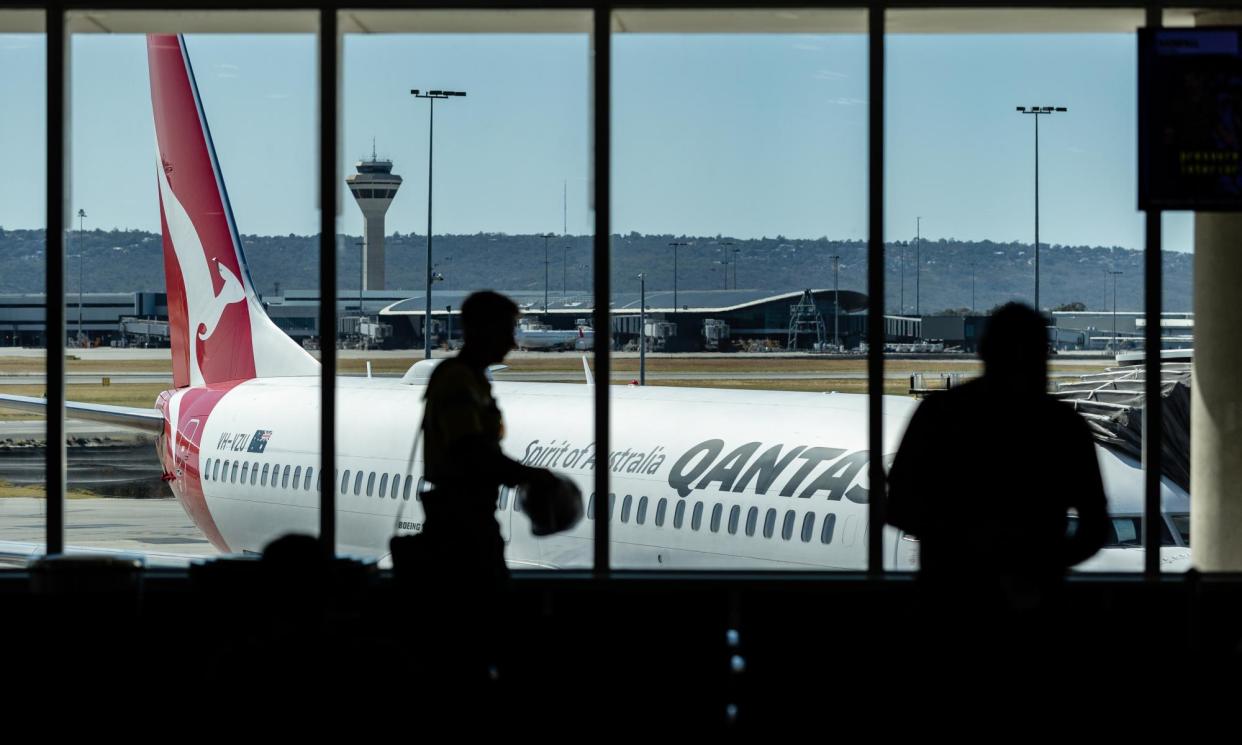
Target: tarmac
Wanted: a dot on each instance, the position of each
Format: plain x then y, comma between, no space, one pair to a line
139,525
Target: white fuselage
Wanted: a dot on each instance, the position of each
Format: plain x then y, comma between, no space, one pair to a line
701,478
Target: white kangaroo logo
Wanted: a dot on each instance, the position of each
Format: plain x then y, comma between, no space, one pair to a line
232,292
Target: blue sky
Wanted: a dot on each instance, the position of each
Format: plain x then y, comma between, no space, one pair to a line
739,135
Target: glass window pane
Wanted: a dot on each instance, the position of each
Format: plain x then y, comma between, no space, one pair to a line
726,229
23,269
297,477
788,525
679,514
370,483
641,517
660,509
808,527
538,83
625,508
769,523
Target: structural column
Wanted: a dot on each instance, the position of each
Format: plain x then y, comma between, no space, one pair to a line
1216,402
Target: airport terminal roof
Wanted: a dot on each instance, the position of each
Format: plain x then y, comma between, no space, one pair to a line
658,301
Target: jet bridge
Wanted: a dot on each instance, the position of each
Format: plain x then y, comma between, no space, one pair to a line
1112,403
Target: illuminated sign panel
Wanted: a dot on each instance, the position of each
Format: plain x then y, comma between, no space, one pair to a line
1190,119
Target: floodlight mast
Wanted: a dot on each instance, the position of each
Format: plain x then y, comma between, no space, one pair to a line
1038,111
431,97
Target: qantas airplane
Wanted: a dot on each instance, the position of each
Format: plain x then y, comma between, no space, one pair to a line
702,478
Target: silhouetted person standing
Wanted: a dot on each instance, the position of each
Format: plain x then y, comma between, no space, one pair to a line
985,477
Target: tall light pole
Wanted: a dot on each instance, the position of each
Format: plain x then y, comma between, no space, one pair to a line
727,246
836,301
431,97
918,265
565,271
1038,111
81,261
676,245
362,252
902,312
736,253
1115,275
545,238
972,286
642,329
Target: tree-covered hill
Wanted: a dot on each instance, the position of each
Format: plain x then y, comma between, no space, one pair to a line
118,261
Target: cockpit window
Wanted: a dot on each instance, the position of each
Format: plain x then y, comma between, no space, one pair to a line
1126,531
1181,523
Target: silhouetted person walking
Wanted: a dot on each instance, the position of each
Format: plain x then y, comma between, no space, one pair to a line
984,479
456,565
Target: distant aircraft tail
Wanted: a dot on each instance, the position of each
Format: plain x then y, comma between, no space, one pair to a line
219,330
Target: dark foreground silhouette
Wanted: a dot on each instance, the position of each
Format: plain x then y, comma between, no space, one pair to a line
984,479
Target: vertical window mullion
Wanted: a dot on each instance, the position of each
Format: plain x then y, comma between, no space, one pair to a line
329,88
54,314
601,43
875,287
1153,414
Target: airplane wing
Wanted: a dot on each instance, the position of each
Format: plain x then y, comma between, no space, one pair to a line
129,417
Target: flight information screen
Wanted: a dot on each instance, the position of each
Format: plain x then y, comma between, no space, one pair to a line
1190,119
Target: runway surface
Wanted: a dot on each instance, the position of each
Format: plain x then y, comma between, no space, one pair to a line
158,525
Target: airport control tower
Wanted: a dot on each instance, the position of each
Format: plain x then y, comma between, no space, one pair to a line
374,186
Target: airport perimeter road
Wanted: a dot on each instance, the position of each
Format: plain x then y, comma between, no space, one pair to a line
155,525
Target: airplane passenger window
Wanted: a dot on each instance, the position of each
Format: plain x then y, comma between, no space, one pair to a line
254,474
370,483
263,478
206,472
625,508
769,523
734,514
788,526
245,471
318,480
309,471
612,504
641,517
358,483
808,527
752,517
233,473
284,479
409,480
590,507
275,475
345,482
396,482
696,519
215,470
383,487
825,533
504,498
661,508
716,511
297,477
679,514
226,470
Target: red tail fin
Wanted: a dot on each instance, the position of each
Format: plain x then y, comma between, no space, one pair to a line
218,327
